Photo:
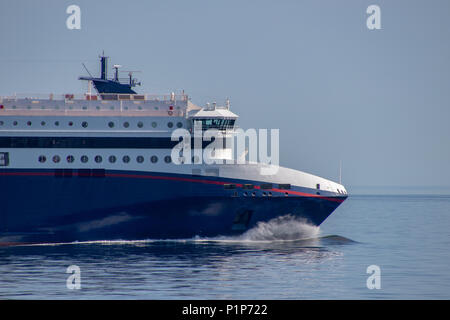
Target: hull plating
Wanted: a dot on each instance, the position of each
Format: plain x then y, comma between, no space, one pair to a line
39,206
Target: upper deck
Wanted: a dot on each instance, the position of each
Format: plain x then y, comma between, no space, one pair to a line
111,105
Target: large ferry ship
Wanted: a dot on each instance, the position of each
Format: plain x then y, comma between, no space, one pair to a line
100,167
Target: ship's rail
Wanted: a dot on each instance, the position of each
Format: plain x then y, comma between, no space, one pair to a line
95,97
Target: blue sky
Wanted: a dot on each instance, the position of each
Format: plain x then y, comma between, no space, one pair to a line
377,100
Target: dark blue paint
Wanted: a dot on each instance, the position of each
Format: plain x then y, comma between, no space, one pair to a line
46,208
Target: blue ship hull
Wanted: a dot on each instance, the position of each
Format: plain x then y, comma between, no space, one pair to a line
86,205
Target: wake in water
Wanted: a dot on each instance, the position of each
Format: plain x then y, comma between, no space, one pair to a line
283,228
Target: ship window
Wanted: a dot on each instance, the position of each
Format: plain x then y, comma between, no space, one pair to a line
247,186
111,124
140,159
42,159
112,159
154,159
266,186
154,124
318,186
229,186
170,124
84,124
42,123
56,123
15,123
126,124
1,123
70,159
98,159
70,123
84,108
284,186
29,123
56,159
97,107
167,159
126,159
140,124
179,124
84,159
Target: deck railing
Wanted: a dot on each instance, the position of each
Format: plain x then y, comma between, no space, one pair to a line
94,97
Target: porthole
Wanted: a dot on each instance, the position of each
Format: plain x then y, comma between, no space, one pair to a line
98,159
154,124
179,124
167,159
29,123
84,108
111,124
112,159
245,194
126,124
111,108
42,123
140,124
126,159
154,159
170,124
70,159
253,194
84,159
84,124
140,108
42,159
97,107
56,123
70,123
56,159
15,123
140,159
1,123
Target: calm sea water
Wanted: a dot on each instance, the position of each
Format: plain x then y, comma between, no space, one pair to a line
406,236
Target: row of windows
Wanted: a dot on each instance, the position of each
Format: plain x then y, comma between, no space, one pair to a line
264,186
86,108
99,159
111,124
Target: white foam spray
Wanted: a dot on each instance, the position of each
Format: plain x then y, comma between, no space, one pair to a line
286,227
